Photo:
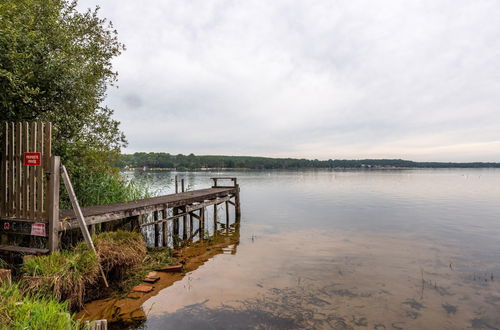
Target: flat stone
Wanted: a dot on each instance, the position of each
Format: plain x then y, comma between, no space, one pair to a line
171,269
151,279
142,288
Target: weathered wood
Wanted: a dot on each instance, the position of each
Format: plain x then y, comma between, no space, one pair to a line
39,174
227,211
26,175
202,223
12,173
32,173
53,183
182,185
175,229
79,216
215,218
157,228
106,213
46,164
18,169
3,168
176,185
23,249
184,224
96,325
165,228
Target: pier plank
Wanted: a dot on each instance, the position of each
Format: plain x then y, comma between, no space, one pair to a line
110,212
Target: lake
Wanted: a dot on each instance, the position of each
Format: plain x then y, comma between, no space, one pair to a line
373,249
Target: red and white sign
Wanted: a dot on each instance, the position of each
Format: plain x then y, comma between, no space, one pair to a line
38,229
32,158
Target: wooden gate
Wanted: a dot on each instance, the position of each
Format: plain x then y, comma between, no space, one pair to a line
29,182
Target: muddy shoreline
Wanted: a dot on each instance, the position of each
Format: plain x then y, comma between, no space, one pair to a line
126,312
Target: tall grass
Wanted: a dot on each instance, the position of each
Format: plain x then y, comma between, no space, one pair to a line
96,188
63,275
18,311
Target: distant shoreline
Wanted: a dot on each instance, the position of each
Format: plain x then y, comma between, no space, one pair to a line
166,162
295,169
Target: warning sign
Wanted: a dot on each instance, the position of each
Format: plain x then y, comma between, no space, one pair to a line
32,158
38,229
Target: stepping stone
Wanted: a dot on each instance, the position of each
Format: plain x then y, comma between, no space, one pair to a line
171,269
142,288
151,279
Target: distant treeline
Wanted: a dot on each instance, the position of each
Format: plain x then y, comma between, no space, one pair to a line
191,161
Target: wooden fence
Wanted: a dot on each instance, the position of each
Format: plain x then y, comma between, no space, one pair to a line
29,195
26,152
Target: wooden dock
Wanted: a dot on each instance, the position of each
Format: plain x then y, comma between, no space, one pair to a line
30,218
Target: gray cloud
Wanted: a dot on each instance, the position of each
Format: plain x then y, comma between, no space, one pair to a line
321,79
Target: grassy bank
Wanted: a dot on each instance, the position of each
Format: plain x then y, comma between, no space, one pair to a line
25,311
74,276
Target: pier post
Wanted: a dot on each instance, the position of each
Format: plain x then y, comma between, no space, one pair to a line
157,229
215,218
165,228
53,202
175,234
184,219
227,213
202,223
237,203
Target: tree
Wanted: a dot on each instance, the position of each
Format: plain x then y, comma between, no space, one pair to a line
55,65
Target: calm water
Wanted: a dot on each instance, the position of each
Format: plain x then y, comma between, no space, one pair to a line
404,249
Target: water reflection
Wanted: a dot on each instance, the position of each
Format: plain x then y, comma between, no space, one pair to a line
412,249
128,312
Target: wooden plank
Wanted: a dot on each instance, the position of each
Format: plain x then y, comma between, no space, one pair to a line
46,165
18,168
39,175
22,249
25,180
32,176
3,168
111,212
79,216
53,201
12,173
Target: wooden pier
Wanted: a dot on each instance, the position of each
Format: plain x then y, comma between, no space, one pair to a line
30,179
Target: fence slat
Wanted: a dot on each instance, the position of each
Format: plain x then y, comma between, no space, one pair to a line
32,180
39,174
25,181
47,135
18,169
3,168
12,151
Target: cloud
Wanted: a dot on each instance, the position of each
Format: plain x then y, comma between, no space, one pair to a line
322,79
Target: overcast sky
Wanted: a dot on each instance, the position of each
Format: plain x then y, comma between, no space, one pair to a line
325,79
